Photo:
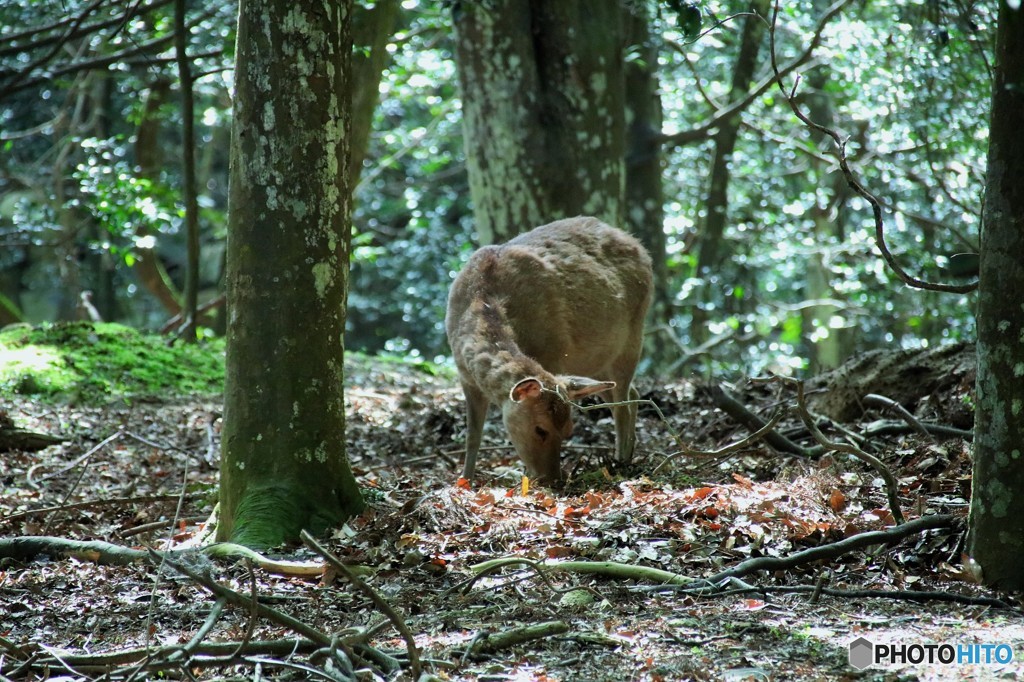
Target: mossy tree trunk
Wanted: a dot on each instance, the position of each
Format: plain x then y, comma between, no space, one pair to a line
543,114
284,466
996,536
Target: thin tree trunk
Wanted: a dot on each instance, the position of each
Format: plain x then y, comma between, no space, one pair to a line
711,251
149,158
645,211
826,349
371,29
188,165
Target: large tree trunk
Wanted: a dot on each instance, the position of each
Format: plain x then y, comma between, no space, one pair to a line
996,537
543,116
284,466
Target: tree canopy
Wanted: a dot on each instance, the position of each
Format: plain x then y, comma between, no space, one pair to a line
92,199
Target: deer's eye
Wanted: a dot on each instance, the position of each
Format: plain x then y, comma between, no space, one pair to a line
541,433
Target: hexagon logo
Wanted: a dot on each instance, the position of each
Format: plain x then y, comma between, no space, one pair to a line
860,653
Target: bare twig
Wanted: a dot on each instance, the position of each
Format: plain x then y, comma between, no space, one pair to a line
890,404
382,604
94,503
891,484
67,467
215,612
726,402
765,431
704,129
851,179
159,525
240,600
76,30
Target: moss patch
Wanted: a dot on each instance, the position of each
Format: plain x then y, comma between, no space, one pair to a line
94,363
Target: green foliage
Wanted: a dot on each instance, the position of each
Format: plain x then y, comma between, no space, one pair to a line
914,110
906,84
129,208
412,219
93,363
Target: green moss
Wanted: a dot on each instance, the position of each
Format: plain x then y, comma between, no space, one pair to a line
95,363
433,369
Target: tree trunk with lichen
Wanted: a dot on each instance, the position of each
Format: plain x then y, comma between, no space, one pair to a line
284,466
543,116
996,536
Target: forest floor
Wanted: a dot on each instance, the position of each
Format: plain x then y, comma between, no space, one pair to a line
144,473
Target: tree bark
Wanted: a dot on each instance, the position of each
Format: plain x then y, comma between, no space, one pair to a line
644,208
188,167
371,28
710,249
543,115
149,158
284,467
996,536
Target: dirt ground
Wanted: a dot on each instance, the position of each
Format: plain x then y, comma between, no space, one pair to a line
145,475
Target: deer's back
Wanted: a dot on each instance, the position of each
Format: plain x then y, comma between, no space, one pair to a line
571,294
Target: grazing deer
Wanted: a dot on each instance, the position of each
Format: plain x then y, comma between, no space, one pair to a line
547,318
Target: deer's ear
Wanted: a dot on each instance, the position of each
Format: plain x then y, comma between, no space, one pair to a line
579,387
527,388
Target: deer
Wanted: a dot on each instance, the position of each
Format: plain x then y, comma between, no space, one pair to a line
543,320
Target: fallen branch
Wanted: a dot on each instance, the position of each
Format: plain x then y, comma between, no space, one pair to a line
830,551
890,404
25,440
608,569
901,595
764,432
893,428
101,662
27,548
382,604
735,409
490,642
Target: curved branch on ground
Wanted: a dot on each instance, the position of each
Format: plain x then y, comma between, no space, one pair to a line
835,549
